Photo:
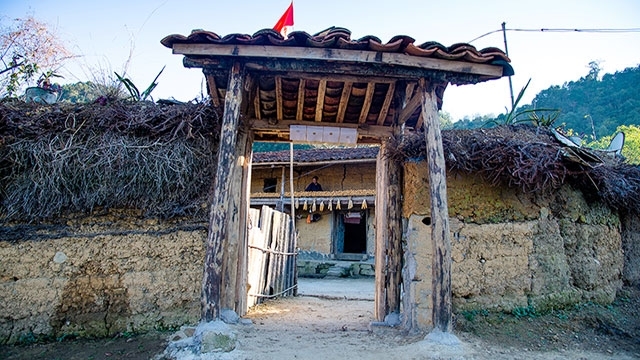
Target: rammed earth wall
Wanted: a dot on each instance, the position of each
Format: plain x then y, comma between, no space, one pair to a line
100,278
511,249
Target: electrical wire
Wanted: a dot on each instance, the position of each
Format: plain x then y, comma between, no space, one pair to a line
603,31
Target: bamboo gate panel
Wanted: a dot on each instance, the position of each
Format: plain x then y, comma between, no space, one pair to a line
272,255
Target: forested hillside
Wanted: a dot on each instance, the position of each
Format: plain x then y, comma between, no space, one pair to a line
592,106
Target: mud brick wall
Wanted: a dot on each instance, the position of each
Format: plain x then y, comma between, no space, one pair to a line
98,280
511,249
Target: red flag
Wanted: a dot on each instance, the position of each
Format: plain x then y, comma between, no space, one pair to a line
285,24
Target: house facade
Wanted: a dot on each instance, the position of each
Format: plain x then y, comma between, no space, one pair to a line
336,223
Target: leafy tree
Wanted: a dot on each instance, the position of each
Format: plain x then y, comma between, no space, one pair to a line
81,92
446,122
27,47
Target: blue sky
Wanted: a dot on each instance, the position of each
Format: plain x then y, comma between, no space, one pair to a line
105,33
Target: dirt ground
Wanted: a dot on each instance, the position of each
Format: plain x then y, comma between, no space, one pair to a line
309,327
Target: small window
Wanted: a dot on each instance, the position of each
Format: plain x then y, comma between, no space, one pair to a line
270,185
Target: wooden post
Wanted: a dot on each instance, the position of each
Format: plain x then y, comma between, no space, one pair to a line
441,265
382,221
394,234
215,245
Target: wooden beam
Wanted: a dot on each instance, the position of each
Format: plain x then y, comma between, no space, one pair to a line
420,121
322,88
234,273
382,221
213,90
441,263
218,215
367,103
408,93
385,105
344,100
300,109
256,102
337,55
278,97
340,78
411,107
294,67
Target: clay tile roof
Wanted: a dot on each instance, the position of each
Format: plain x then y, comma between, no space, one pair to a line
340,38
316,155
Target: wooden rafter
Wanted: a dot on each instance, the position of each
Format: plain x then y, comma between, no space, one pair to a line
279,97
256,103
385,105
344,100
367,102
322,87
300,104
412,105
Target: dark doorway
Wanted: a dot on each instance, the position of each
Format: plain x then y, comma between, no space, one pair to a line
350,233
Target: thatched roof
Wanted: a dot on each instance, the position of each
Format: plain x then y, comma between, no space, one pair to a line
61,160
534,160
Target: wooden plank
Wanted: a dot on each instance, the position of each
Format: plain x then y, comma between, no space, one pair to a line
279,97
213,90
266,225
300,109
255,265
243,226
441,264
218,230
337,55
367,103
374,131
322,88
344,100
381,218
385,105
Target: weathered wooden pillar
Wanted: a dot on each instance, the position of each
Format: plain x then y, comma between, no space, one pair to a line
220,204
382,223
441,264
234,273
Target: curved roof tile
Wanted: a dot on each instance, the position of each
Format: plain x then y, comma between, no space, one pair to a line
340,38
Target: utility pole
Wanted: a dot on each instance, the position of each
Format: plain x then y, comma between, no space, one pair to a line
506,51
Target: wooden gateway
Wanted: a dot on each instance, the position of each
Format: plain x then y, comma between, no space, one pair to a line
328,87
